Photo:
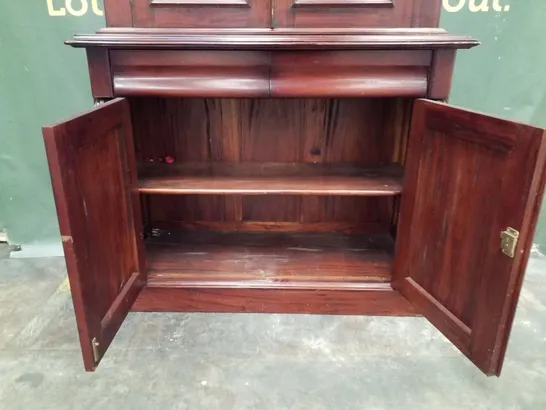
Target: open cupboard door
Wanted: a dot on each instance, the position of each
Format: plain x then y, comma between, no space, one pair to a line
93,173
472,195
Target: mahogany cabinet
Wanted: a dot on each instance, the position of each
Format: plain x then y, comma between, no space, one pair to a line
272,13
293,170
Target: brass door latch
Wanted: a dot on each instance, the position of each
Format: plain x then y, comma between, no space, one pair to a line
509,241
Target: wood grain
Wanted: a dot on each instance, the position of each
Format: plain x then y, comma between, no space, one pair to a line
349,73
92,175
379,300
98,61
207,13
344,13
240,259
191,73
441,73
357,226
278,39
270,178
469,177
321,131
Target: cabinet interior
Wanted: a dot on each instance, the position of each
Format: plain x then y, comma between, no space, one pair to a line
270,190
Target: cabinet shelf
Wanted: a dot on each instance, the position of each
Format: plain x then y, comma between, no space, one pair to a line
289,260
270,178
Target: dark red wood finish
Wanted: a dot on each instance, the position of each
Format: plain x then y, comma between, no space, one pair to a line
257,259
118,13
272,13
370,132
191,73
98,60
201,13
374,73
278,39
258,204
374,300
426,13
252,178
93,175
345,13
440,75
469,177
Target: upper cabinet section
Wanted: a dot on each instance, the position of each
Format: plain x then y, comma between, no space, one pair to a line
355,13
188,13
272,13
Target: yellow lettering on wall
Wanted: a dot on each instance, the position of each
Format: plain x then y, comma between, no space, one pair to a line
453,9
55,13
96,9
81,11
483,6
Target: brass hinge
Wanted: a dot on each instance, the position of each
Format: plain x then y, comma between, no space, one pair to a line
509,241
96,352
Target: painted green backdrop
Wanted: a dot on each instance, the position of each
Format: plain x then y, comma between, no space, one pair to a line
42,81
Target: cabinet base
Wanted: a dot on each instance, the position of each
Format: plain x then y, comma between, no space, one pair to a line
378,300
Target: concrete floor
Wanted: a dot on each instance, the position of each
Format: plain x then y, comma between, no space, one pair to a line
225,361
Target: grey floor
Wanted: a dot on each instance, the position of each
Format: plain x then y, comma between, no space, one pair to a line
224,361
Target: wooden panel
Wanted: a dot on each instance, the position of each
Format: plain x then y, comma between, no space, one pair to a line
191,73
364,131
342,13
426,13
313,4
259,226
93,174
252,178
468,178
118,13
287,39
379,300
441,73
201,13
98,61
350,73
206,258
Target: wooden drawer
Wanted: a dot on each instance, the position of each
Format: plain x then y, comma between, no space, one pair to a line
190,73
370,73
188,13
355,13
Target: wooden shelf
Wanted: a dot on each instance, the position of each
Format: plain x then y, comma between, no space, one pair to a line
270,178
271,260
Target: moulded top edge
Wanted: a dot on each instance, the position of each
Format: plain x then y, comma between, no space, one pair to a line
127,38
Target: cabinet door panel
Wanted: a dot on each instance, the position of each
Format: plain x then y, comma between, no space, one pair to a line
201,13
469,177
92,165
353,13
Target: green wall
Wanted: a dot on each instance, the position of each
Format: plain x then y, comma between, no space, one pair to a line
42,81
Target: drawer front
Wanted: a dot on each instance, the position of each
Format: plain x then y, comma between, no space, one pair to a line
379,73
190,73
201,13
356,13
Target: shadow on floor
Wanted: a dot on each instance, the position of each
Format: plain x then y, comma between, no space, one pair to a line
247,361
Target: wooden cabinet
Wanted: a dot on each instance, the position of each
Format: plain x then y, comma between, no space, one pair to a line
272,13
296,171
355,13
